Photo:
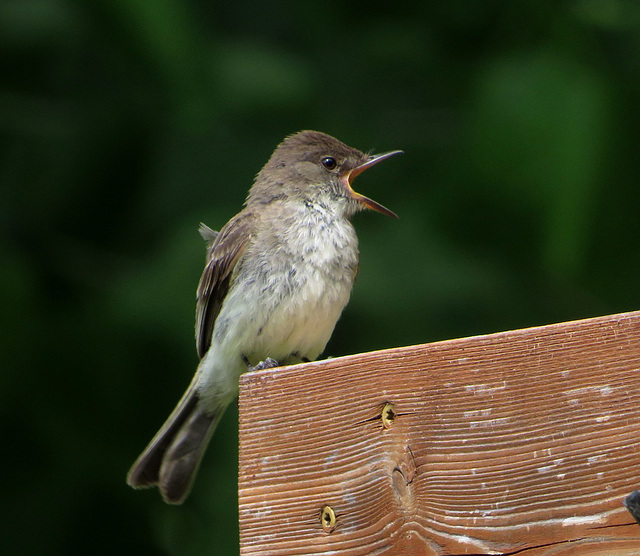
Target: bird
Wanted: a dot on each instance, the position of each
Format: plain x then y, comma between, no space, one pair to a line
276,280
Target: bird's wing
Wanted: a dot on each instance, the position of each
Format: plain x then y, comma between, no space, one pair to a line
224,250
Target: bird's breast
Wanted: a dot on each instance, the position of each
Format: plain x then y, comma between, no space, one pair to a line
294,283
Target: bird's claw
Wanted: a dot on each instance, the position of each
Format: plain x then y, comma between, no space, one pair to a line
268,363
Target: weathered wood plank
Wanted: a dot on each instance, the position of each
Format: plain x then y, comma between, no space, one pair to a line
520,441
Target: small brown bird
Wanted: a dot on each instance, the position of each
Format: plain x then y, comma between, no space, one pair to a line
276,280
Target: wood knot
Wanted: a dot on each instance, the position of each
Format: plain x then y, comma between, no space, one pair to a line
402,476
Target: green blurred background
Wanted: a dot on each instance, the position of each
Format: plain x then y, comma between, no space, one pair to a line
127,122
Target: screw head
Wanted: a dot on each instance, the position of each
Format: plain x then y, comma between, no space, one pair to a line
388,415
328,519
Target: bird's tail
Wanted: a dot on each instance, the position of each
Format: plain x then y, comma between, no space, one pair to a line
172,458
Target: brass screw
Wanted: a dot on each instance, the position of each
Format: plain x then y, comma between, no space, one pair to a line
328,519
388,415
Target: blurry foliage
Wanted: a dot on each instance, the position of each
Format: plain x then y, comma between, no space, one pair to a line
125,123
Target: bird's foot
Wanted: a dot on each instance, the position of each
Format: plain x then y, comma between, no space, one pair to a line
268,363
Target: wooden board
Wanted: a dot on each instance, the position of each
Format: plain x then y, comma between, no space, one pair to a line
520,442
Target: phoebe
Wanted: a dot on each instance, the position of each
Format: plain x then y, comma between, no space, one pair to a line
276,280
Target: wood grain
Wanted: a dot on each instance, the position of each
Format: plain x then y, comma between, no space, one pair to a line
520,442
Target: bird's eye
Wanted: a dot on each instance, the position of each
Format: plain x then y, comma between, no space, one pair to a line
329,162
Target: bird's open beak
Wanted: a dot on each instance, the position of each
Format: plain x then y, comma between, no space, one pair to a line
369,203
